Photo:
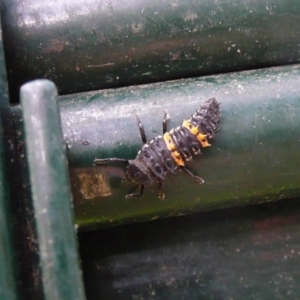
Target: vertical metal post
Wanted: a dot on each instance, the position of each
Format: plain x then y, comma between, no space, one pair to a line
7,282
7,263
51,192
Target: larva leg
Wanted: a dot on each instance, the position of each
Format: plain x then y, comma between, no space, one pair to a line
142,130
101,161
164,123
161,194
133,195
190,173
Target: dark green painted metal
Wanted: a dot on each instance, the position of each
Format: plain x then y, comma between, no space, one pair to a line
7,252
7,279
238,253
29,277
90,45
254,158
51,191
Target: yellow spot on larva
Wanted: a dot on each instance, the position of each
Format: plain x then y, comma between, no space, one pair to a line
171,147
169,142
194,130
176,156
203,140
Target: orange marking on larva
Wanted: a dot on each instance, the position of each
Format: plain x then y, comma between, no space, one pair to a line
169,142
195,131
203,140
176,156
171,147
188,125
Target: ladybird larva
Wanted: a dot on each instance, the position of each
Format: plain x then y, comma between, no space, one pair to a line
170,151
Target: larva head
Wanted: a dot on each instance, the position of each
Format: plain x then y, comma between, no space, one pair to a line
137,173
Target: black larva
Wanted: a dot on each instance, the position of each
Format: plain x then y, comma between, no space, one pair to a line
170,151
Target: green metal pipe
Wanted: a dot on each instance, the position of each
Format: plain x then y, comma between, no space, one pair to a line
87,45
7,275
238,253
254,158
51,192
8,225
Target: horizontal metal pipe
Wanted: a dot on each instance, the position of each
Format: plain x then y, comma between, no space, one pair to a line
253,158
87,45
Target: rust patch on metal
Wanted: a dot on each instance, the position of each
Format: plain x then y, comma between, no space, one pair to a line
88,184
